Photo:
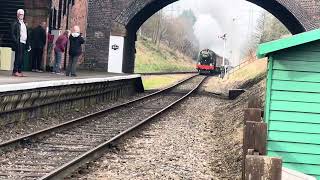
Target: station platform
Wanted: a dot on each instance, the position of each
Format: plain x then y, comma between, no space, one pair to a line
40,94
46,79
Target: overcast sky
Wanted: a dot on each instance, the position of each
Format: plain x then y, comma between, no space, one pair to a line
236,18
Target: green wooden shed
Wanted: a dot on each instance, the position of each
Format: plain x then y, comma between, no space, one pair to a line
292,109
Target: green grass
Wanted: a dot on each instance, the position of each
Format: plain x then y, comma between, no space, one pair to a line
250,71
150,58
158,82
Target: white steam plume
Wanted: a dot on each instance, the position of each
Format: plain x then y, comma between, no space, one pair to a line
236,18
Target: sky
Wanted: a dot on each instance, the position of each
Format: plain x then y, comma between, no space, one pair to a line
236,18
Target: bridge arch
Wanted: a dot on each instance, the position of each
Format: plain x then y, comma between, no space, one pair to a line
290,13
128,15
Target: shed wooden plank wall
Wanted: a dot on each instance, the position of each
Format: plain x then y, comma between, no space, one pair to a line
293,108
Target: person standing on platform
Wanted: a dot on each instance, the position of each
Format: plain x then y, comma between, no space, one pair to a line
20,42
39,38
50,47
59,49
75,50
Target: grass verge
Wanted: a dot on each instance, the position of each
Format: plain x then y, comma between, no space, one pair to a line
158,82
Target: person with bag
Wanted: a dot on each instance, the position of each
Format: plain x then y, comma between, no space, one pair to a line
75,50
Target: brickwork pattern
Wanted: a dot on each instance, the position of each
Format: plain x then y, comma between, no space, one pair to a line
98,32
303,10
36,12
77,16
312,7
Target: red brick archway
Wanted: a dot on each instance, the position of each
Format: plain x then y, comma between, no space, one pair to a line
124,17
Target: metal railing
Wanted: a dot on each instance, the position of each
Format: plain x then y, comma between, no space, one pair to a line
236,68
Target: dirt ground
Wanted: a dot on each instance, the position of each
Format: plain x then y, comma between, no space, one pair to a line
200,139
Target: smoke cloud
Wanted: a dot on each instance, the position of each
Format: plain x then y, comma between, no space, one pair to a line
236,18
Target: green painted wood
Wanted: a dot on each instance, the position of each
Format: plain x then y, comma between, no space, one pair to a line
292,108
296,76
285,43
295,86
297,158
295,106
305,168
294,137
295,96
294,127
294,117
268,90
291,147
297,66
308,47
297,55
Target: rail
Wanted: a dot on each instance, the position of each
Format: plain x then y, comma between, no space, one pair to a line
165,73
79,142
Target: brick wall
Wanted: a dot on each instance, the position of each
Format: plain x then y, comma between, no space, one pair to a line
98,32
77,15
312,7
36,12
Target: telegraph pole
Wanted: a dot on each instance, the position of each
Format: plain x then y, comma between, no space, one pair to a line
224,38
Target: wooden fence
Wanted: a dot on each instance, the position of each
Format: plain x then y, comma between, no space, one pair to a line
256,165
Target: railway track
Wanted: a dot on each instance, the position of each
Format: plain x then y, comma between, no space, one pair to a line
56,151
168,73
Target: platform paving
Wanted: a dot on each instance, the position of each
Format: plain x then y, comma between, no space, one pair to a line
6,78
35,80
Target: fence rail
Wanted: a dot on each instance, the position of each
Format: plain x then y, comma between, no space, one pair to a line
236,68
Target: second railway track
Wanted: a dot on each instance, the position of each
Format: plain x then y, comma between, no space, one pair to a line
52,153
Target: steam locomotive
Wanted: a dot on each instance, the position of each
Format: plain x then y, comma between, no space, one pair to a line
209,62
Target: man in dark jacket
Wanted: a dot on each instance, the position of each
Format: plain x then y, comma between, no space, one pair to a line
20,43
75,50
39,38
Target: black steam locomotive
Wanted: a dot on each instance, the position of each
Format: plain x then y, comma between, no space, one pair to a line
208,62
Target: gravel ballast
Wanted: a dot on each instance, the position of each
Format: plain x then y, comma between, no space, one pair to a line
199,139
24,127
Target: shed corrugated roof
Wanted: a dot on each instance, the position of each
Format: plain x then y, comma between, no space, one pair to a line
298,39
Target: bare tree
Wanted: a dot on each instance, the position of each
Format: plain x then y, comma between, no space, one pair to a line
176,32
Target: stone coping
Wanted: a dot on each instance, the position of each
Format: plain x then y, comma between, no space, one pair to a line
64,82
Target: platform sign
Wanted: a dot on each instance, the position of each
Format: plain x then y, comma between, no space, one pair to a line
115,54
